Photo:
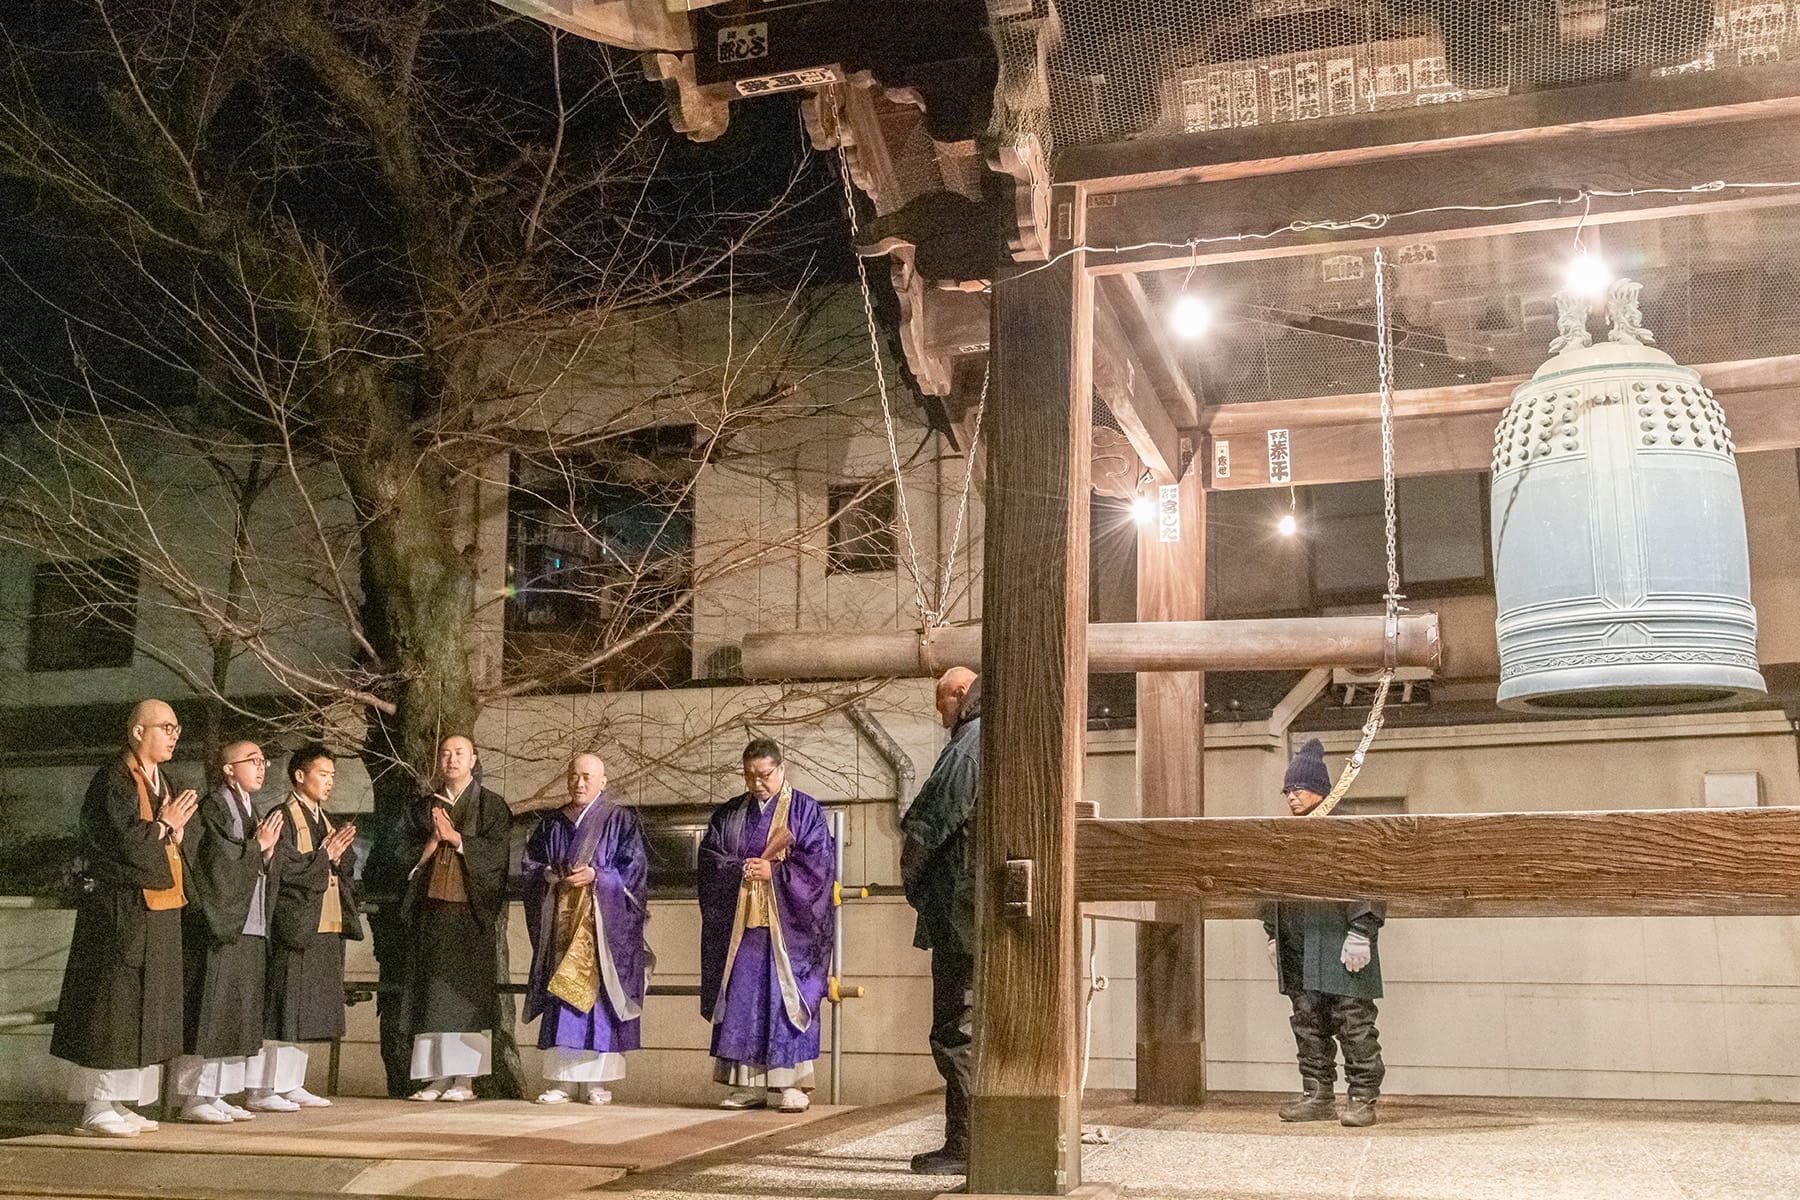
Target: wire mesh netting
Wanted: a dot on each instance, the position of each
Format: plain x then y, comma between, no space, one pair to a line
1130,68
1718,287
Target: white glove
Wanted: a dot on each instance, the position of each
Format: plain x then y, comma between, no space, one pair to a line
1356,952
1274,953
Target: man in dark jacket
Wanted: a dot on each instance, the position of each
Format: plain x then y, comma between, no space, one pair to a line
936,867
1327,964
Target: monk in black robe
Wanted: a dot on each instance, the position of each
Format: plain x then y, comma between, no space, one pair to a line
455,843
230,862
315,913
119,1017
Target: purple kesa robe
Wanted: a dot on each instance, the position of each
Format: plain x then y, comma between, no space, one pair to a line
608,838
768,1015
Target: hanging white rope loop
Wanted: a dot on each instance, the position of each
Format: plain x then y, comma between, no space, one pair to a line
931,615
1384,369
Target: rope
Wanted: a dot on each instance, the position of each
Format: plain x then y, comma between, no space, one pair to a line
930,615
962,503
1384,368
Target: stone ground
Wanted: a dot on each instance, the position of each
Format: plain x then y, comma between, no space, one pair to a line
1436,1148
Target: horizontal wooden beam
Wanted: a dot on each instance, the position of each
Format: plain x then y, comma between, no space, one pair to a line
1337,439
1448,192
1699,99
1266,644
1670,862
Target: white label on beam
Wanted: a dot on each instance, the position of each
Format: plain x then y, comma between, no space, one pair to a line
1222,459
1168,512
1281,468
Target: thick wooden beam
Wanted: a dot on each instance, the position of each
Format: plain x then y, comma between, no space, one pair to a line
1336,439
1668,862
1147,330
1262,644
1171,731
1459,191
1121,380
1555,113
1026,1087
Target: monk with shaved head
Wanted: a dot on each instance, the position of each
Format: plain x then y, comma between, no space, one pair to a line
231,862
587,877
940,884
454,844
119,1017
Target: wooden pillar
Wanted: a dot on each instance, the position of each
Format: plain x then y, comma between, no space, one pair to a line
1171,729
1026,1111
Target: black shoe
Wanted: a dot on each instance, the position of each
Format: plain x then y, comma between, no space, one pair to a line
945,1160
1360,1112
1314,1104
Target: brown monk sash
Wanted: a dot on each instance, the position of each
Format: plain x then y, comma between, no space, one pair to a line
158,899
331,912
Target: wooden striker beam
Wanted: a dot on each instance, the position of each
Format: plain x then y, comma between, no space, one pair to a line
1666,862
1273,644
1026,1095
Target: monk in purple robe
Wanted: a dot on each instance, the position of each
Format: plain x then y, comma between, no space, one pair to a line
586,889
766,874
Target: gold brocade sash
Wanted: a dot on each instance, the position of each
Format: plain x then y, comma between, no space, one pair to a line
576,981
757,897
158,899
331,911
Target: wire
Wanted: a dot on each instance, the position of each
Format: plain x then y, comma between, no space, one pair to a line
1377,221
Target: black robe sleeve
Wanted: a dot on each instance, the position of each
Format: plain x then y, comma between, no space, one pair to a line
221,870
121,847
300,886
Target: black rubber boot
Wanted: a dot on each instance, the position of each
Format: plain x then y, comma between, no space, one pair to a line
945,1160
1359,1112
1314,1104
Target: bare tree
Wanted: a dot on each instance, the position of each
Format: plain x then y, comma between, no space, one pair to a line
299,273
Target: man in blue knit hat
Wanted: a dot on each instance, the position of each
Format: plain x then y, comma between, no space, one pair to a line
1327,964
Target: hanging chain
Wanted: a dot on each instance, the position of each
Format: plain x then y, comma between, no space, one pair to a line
930,615
1384,369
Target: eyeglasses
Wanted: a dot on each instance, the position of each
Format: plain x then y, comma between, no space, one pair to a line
168,727
258,761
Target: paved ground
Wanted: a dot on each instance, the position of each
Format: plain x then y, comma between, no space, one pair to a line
1427,1149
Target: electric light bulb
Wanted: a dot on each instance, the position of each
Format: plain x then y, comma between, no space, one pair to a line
1190,317
1587,275
1287,525
1143,509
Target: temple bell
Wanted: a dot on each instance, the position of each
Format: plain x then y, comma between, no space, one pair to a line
1621,567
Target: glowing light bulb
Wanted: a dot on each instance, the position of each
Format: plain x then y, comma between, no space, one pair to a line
1287,525
1190,317
1143,509
1587,275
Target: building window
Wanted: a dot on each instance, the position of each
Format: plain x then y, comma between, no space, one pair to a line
600,564
83,615
862,529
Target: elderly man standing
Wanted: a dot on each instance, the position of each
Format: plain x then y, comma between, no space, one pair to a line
587,874
119,1016
229,858
1328,964
766,872
314,913
935,866
456,842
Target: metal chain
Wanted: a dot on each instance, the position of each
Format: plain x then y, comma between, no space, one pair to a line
930,616
1384,369
962,503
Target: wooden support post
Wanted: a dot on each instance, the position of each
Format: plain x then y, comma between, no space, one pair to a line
1171,730
1027,1101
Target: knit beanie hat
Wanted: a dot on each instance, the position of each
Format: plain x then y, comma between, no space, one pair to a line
1308,770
